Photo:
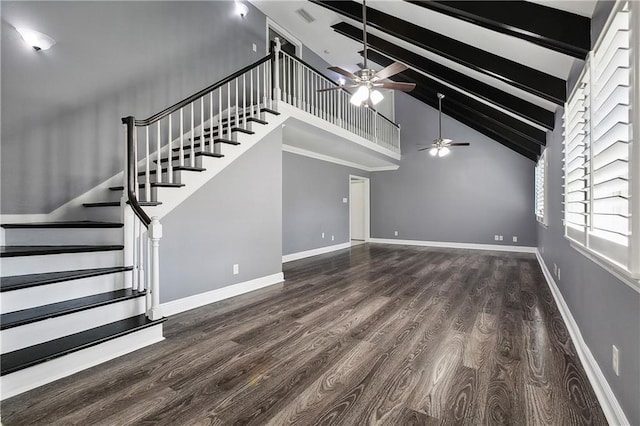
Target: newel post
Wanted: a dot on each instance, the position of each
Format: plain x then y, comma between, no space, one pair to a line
155,233
276,70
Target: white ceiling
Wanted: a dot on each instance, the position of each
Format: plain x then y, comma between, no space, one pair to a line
341,51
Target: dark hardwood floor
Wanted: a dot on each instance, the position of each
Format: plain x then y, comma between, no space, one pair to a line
372,335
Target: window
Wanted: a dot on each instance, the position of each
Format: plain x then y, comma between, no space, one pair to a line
598,155
541,189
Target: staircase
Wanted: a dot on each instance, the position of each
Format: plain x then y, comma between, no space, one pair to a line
84,288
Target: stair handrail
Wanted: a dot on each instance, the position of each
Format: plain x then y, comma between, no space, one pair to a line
175,107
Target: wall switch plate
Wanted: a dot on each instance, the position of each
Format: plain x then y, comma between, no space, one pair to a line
615,360
558,274
345,200
496,237
501,238
323,235
255,48
515,239
333,238
395,233
236,269
555,269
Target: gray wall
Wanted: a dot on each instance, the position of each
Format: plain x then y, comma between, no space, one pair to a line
61,109
312,203
235,218
469,196
606,310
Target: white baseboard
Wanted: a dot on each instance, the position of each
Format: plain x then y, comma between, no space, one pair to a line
197,300
470,246
308,253
57,368
610,406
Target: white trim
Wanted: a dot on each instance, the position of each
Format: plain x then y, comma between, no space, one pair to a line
286,34
180,305
329,159
308,253
57,368
610,405
470,246
367,205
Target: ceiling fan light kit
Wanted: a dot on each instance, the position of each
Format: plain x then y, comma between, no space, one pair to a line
440,147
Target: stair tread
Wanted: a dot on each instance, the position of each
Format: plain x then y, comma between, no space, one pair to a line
269,110
32,355
14,251
257,120
187,155
176,168
39,313
207,143
153,185
117,203
17,282
70,224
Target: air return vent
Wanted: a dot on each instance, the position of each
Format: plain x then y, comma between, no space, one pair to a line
305,15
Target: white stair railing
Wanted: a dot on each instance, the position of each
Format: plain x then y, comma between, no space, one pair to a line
199,125
299,87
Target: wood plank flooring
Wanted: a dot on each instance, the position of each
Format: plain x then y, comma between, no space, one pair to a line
376,334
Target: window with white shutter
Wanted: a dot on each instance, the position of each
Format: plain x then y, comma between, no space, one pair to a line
541,189
600,165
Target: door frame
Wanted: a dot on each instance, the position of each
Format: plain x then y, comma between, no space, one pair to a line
279,29
367,205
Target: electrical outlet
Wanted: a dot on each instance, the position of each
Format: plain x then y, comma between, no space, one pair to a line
501,238
496,237
345,200
615,360
323,235
255,48
333,238
236,269
395,233
515,239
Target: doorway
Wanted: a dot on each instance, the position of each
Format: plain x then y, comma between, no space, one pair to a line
359,209
288,43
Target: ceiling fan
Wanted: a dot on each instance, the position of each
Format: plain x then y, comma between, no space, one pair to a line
440,147
367,80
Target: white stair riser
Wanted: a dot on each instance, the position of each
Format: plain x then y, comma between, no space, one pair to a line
47,372
59,236
104,214
22,265
53,328
31,297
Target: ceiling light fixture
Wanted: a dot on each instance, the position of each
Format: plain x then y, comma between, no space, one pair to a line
241,9
35,39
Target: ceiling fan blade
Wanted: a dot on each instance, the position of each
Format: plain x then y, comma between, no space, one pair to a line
405,87
424,149
387,72
345,73
460,144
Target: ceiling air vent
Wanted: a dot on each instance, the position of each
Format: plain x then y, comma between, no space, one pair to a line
305,15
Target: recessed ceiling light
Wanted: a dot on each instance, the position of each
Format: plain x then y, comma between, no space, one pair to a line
35,39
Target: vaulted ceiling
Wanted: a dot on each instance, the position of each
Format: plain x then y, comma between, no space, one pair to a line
502,65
